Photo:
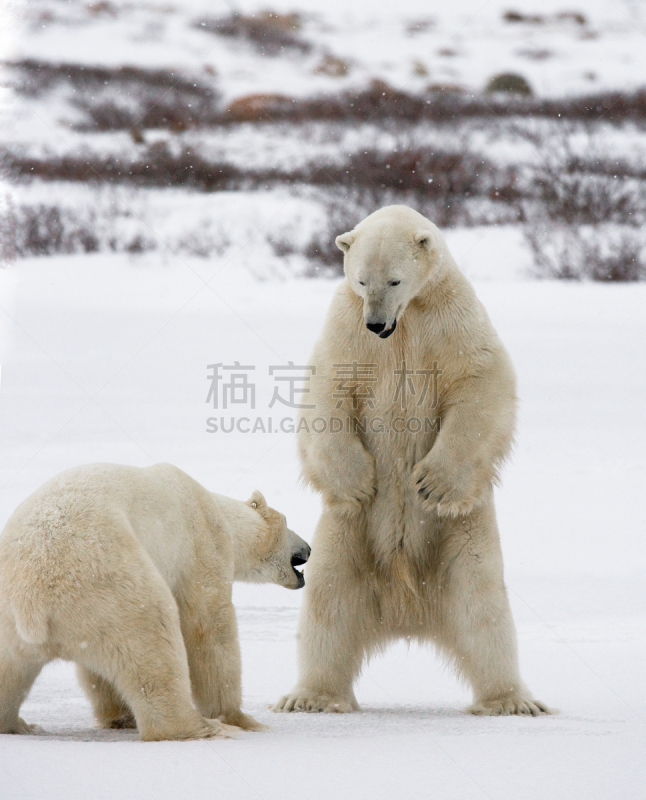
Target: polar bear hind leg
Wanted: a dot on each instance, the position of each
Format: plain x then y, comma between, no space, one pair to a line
20,665
339,625
16,679
477,631
110,710
142,655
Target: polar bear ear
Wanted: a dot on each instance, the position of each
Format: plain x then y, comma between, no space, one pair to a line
344,241
424,238
258,502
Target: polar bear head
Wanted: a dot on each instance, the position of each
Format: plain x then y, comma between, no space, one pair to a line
271,552
390,258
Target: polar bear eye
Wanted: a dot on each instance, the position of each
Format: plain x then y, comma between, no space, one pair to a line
394,283
362,283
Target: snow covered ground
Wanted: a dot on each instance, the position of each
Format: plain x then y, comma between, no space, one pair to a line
105,358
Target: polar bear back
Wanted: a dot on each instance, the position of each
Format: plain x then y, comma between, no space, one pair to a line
106,512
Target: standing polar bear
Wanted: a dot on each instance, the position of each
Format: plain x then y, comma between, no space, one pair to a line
412,414
128,573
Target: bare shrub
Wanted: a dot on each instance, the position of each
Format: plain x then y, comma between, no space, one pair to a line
519,17
539,19
581,198
444,180
449,103
204,241
452,187
157,165
577,252
127,97
282,244
38,77
42,230
432,171
624,261
594,188
140,244
572,16
585,211
162,112
342,211
332,66
124,97
270,33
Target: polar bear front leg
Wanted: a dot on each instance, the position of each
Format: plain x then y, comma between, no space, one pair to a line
211,637
336,463
110,710
337,624
476,432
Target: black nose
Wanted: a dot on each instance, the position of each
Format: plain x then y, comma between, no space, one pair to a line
301,556
376,327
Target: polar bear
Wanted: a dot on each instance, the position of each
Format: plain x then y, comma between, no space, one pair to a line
412,413
128,573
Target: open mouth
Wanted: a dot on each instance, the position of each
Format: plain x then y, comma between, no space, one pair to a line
389,331
296,562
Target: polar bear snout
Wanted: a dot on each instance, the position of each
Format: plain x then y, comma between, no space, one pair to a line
301,556
382,330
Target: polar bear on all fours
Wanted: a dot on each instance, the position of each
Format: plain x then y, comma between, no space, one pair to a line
128,572
407,545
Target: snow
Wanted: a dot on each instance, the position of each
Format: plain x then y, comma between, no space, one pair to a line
463,43
375,39
107,361
558,56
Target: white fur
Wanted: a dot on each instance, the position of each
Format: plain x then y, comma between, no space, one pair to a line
128,573
389,562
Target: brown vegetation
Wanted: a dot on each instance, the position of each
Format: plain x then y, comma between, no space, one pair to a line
271,34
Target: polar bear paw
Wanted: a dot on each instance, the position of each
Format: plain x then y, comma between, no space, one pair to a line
215,729
448,495
204,728
20,727
312,702
126,722
353,497
506,706
243,721
349,505
347,480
